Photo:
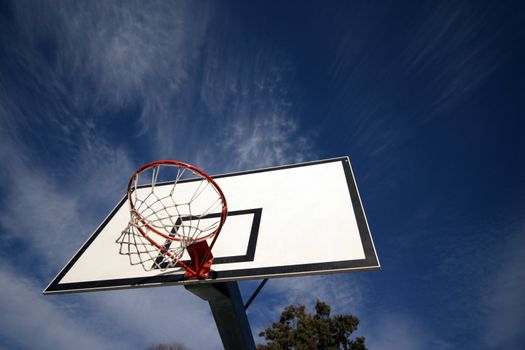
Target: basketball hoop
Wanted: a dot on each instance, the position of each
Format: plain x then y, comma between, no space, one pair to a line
174,207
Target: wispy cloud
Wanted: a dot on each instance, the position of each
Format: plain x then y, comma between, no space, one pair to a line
245,93
196,99
399,330
340,291
477,257
394,70
128,63
455,43
31,321
51,214
40,217
144,316
270,138
504,295
121,52
111,320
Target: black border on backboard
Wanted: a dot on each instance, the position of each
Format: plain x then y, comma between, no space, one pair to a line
371,261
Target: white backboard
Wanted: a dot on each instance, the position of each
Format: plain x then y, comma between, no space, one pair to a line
299,219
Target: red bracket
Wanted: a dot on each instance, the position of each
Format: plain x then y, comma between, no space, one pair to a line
201,269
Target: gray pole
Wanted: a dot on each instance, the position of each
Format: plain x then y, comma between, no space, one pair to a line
228,311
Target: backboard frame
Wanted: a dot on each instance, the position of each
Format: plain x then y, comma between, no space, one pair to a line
370,261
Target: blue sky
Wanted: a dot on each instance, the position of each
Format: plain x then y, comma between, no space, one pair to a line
425,97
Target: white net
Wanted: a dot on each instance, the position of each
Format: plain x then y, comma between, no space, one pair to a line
167,216
141,251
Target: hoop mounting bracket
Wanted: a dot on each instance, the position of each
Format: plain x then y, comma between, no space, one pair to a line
201,260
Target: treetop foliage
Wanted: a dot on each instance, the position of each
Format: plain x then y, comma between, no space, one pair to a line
298,330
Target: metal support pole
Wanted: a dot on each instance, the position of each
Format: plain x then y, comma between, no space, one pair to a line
228,311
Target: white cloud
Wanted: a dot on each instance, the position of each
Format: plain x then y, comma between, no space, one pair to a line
109,320
101,170
31,321
252,124
149,56
109,57
118,52
399,330
157,315
39,216
269,138
52,217
340,291
504,296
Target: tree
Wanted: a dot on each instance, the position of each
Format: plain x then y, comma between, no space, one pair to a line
298,330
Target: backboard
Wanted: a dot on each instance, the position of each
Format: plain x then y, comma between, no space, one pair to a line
299,219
